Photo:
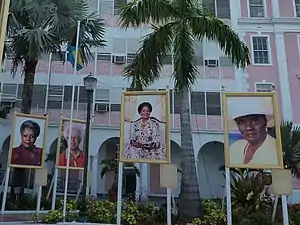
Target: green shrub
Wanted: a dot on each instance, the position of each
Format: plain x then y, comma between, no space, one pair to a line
294,214
213,214
130,213
101,212
54,216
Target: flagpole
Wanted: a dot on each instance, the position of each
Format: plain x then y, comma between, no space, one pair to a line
48,83
70,126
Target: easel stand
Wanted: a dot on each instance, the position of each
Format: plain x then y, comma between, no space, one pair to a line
119,200
169,207
5,190
285,213
53,188
4,197
228,196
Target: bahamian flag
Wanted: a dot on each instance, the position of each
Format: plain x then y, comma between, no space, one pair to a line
71,57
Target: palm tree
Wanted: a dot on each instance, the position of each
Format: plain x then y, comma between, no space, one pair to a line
111,166
39,27
176,26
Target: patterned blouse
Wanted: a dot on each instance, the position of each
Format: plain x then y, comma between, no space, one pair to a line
145,141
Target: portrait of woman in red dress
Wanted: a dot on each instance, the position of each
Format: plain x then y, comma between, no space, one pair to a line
27,153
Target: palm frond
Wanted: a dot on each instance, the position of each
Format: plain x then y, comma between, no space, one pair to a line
214,29
290,139
138,12
38,27
146,66
104,171
185,69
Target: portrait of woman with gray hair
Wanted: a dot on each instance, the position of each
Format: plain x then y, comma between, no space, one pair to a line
77,155
27,153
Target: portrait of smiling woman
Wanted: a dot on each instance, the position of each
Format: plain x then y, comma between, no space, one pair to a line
145,128
251,118
28,141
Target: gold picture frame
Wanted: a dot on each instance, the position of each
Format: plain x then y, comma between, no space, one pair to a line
60,132
276,121
166,98
4,12
12,139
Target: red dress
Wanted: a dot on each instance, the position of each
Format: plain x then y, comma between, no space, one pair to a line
26,156
77,161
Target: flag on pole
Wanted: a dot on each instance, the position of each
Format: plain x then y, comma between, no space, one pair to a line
72,55
74,50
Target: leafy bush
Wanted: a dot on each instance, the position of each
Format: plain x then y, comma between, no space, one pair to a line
55,216
294,214
249,191
159,216
101,211
213,214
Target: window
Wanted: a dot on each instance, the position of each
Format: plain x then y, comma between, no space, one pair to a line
213,101
130,57
102,95
118,4
260,48
297,7
261,87
198,103
104,56
212,104
219,8
256,8
39,96
9,92
55,96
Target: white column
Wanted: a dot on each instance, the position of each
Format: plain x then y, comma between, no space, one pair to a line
283,76
94,175
144,167
138,182
235,13
275,9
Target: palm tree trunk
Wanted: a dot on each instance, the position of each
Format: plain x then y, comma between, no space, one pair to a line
29,70
190,205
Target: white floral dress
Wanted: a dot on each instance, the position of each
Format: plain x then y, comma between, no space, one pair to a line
148,135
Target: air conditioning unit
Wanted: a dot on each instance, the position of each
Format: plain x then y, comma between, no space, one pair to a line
101,107
7,104
119,59
211,63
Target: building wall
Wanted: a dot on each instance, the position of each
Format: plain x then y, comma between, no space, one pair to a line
276,20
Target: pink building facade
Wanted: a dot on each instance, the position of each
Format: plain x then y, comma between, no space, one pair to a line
269,27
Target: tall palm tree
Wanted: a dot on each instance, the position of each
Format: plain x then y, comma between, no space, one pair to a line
39,27
176,26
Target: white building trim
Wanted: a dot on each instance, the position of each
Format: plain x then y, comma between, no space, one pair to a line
275,9
283,76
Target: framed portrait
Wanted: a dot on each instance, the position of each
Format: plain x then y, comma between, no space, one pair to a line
252,130
77,154
145,132
28,141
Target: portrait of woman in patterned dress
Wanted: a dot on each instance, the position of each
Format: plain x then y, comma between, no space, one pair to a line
145,141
